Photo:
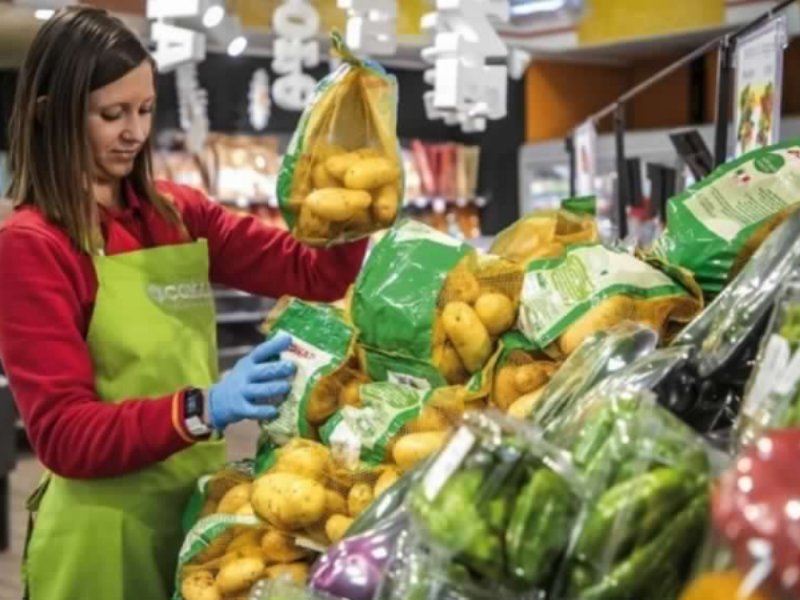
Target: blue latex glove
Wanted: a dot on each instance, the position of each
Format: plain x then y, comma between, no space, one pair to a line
255,387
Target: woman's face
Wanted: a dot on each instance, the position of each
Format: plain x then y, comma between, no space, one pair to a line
120,118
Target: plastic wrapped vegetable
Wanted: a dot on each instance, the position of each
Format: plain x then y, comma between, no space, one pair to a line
498,503
753,551
429,309
647,476
323,349
773,395
546,234
715,226
590,288
342,176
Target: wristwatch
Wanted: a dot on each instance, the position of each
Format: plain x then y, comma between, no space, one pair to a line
195,413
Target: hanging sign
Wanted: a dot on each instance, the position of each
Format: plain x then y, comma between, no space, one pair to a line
371,26
759,74
259,102
296,23
466,91
585,141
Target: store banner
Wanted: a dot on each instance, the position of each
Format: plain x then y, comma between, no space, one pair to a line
585,141
759,75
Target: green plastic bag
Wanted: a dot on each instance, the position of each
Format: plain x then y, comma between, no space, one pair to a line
715,226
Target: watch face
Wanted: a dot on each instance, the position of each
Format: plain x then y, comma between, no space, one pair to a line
193,403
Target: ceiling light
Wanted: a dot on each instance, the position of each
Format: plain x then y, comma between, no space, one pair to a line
213,16
237,46
44,13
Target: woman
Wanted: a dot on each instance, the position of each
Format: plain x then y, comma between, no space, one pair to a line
107,321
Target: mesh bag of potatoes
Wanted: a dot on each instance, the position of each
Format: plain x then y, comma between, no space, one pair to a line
207,498
395,426
429,307
342,175
323,350
520,375
547,233
591,288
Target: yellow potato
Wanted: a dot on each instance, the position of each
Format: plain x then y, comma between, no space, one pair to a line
461,286
505,390
523,407
359,498
529,378
386,204
288,501
429,419
200,585
310,225
337,204
338,164
468,334
438,334
605,315
335,503
412,448
308,461
243,552
323,401
235,498
361,221
369,153
387,479
215,549
295,573
321,178
251,537
245,510
496,312
324,150
450,365
280,547
350,395
371,173
239,575
336,526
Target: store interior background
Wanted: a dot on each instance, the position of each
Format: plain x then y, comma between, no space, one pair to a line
577,66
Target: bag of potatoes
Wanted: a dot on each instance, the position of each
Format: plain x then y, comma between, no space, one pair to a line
342,175
429,307
323,350
395,425
591,288
520,374
225,556
715,226
547,233
211,493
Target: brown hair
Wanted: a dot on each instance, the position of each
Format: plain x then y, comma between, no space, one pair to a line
77,51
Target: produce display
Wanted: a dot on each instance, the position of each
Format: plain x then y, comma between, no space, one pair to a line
716,225
342,176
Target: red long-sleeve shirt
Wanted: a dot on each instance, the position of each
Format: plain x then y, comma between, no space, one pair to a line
47,293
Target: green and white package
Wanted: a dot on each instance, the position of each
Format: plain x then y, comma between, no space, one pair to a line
716,225
394,304
592,287
322,343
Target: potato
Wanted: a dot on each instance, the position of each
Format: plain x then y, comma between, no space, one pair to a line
468,334
280,547
606,314
337,204
429,419
251,537
387,479
438,334
288,501
412,448
307,461
350,395
235,498
371,173
523,407
336,526
310,225
531,377
338,164
449,364
369,153
361,221
215,549
324,150
209,508
505,390
243,552
496,312
359,498
461,286
200,585
334,503
239,575
321,178
294,572
323,401
220,483
386,204
245,510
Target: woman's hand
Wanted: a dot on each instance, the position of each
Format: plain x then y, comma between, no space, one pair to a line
255,387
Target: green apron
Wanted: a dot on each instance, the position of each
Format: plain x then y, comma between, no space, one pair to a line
152,333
